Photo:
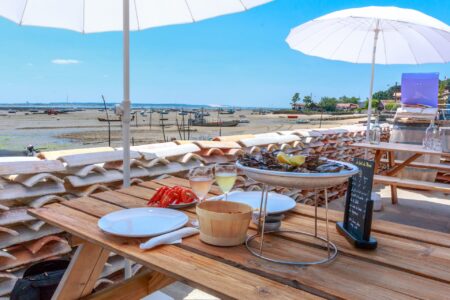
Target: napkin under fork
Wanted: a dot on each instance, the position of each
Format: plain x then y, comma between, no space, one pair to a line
169,238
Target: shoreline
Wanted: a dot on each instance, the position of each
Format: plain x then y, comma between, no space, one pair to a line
82,129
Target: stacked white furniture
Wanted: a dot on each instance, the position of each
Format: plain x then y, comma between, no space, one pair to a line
24,183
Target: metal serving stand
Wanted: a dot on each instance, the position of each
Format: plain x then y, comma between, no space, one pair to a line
316,181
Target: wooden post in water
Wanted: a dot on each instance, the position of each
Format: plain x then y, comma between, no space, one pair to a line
182,120
189,126
219,122
107,119
161,119
150,120
179,128
321,114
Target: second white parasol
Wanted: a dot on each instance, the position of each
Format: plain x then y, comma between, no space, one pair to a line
375,35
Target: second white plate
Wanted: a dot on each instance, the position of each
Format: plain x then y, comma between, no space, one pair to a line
276,203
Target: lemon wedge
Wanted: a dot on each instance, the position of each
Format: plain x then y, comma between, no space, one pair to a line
283,158
297,160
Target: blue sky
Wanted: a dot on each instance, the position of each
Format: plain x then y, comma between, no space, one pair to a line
239,59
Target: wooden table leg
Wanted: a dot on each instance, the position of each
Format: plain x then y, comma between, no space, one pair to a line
391,159
394,197
394,170
83,271
137,287
404,164
377,159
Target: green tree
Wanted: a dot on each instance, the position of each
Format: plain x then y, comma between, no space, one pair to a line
381,95
328,103
374,103
295,99
391,106
444,85
307,100
387,94
345,99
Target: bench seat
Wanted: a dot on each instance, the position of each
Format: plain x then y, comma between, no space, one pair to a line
439,167
414,184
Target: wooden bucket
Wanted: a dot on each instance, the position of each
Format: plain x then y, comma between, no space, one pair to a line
223,223
413,133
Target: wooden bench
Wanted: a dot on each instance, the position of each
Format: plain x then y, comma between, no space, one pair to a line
395,182
423,165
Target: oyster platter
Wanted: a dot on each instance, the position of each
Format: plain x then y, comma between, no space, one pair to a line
295,171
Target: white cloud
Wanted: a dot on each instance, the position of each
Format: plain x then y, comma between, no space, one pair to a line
62,61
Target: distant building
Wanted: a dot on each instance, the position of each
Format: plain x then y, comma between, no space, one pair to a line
362,104
298,106
346,106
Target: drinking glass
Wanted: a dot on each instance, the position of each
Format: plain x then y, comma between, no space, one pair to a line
201,179
225,177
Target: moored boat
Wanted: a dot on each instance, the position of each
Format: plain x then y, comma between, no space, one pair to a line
204,123
113,119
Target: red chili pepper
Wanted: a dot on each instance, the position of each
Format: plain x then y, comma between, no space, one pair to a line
157,196
165,196
166,200
190,196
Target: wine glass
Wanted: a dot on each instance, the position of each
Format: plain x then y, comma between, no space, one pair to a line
201,179
225,177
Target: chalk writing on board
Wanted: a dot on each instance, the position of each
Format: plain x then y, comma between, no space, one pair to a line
357,219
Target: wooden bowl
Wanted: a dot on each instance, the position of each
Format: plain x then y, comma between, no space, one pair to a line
223,223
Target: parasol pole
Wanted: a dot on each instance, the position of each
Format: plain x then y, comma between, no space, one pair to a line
369,108
126,118
126,94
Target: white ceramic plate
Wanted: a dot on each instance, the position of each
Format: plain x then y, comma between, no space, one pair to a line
142,222
276,203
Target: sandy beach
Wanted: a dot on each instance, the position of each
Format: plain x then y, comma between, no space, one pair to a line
82,129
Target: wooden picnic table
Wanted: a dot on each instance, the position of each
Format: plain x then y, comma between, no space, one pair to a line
409,263
396,166
399,147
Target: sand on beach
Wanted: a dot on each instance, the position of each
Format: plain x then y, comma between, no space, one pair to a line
82,128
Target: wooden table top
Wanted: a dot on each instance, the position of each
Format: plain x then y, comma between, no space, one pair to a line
409,263
401,147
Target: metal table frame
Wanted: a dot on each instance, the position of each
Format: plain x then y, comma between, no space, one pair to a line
332,250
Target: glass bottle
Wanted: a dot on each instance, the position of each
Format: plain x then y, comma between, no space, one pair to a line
432,139
437,139
375,132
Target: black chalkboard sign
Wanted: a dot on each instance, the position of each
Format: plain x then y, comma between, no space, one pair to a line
358,207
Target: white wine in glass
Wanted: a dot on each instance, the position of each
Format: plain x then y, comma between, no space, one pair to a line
226,177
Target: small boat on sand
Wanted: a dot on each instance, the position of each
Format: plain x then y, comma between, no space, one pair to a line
226,112
113,119
204,123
